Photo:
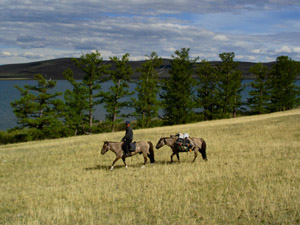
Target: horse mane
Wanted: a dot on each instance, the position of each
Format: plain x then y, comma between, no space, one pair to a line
167,138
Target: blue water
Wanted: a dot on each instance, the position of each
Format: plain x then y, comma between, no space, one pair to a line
9,93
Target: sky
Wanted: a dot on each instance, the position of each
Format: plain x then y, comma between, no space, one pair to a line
255,30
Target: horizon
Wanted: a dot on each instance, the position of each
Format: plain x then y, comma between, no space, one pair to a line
141,60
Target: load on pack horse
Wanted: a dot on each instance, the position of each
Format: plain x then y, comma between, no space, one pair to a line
183,143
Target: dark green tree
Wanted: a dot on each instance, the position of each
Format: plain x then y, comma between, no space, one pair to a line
229,85
146,105
95,71
39,109
283,91
76,105
177,91
259,97
114,99
24,108
207,95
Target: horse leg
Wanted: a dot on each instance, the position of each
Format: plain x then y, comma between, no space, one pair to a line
196,154
145,160
123,158
112,166
172,156
177,154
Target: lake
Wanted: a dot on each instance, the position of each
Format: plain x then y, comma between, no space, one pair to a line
9,93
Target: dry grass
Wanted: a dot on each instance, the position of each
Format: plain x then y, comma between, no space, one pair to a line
252,177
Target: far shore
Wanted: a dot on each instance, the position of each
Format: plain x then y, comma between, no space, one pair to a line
15,78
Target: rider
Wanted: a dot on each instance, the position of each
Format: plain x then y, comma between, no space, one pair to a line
127,139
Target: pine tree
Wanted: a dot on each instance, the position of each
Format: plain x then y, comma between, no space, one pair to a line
76,105
177,91
283,91
24,108
230,84
146,105
95,71
39,109
114,98
259,94
207,90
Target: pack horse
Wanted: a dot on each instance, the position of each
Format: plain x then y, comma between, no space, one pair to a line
178,145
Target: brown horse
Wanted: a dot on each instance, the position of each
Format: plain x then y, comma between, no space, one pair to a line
142,147
199,146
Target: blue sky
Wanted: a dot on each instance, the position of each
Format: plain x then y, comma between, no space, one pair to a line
255,30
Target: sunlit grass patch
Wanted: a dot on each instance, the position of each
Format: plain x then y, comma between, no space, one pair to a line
251,177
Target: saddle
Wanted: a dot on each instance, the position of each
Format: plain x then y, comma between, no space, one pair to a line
132,146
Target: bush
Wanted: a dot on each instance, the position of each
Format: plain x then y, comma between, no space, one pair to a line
17,135
14,136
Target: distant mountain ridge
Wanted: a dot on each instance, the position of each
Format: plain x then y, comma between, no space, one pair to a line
54,69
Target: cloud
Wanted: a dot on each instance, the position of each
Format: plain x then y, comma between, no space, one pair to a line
284,49
288,50
245,58
258,51
220,37
43,29
296,50
6,54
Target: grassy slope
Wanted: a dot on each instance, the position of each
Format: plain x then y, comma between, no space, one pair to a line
251,177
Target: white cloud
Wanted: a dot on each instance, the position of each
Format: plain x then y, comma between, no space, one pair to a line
6,54
245,58
296,49
220,37
284,49
270,59
258,51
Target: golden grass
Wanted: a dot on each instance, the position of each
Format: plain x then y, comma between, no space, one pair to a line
252,176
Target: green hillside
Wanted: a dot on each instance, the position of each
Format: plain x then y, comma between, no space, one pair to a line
251,177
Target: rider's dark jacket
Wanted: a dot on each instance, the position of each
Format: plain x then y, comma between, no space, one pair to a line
128,135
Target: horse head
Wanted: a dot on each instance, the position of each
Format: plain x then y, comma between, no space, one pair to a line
160,143
105,147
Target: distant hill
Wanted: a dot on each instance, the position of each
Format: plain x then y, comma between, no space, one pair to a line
54,68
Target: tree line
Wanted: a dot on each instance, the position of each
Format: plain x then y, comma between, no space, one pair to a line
215,94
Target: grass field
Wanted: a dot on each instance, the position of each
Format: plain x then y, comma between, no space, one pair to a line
252,176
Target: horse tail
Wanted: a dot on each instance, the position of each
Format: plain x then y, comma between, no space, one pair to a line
203,150
151,152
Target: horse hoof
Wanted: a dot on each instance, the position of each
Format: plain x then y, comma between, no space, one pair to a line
143,166
111,168
126,167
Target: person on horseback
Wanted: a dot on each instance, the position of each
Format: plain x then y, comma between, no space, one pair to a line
127,139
